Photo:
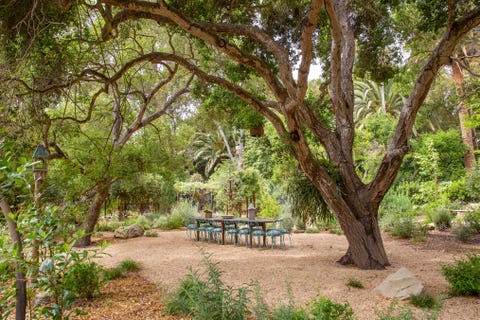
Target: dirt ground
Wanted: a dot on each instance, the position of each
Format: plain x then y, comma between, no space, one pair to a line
307,266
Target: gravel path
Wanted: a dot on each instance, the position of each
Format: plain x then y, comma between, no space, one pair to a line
307,266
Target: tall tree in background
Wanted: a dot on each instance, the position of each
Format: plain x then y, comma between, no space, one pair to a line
463,60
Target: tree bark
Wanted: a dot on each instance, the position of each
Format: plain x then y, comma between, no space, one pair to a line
102,188
20,279
467,137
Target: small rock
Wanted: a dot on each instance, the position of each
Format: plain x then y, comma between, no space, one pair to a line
401,285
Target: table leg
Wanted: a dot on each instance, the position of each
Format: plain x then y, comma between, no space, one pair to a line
198,231
223,233
264,227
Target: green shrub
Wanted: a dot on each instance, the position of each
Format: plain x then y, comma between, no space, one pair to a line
83,279
463,232
423,301
324,308
396,203
269,207
144,222
456,190
472,183
464,276
205,296
318,308
184,209
170,222
151,234
288,312
355,284
442,219
472,219
403,227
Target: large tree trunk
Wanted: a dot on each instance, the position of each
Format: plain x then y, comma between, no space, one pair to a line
358,218
366,248
20,279
102,189
467,137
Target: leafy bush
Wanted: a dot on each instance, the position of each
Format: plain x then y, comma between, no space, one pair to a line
403,227
184,209
205,296
456,190
464,276
83,279
269,207
397,215
170,222
439,153
423,301
472,183
287,312
318,308
472,219
463,232
396,204
324,308
151,234
144,222
442,219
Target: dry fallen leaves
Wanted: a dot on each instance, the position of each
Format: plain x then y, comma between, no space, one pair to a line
131,297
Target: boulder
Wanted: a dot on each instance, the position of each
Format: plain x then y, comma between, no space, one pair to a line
132,231
401,285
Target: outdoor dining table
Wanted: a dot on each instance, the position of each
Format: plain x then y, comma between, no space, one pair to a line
236,221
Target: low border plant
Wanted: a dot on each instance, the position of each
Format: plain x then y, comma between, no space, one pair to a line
355,284
423,301
119,271
464,276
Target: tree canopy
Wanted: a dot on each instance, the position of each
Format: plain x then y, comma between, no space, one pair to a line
132,62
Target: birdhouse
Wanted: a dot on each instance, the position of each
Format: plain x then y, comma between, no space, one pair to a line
41,155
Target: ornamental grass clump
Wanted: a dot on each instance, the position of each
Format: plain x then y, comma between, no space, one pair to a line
442,219
423,301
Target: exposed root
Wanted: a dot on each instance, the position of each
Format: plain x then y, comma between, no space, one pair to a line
346,259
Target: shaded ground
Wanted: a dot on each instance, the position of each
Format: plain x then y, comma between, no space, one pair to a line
308,266
132,297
